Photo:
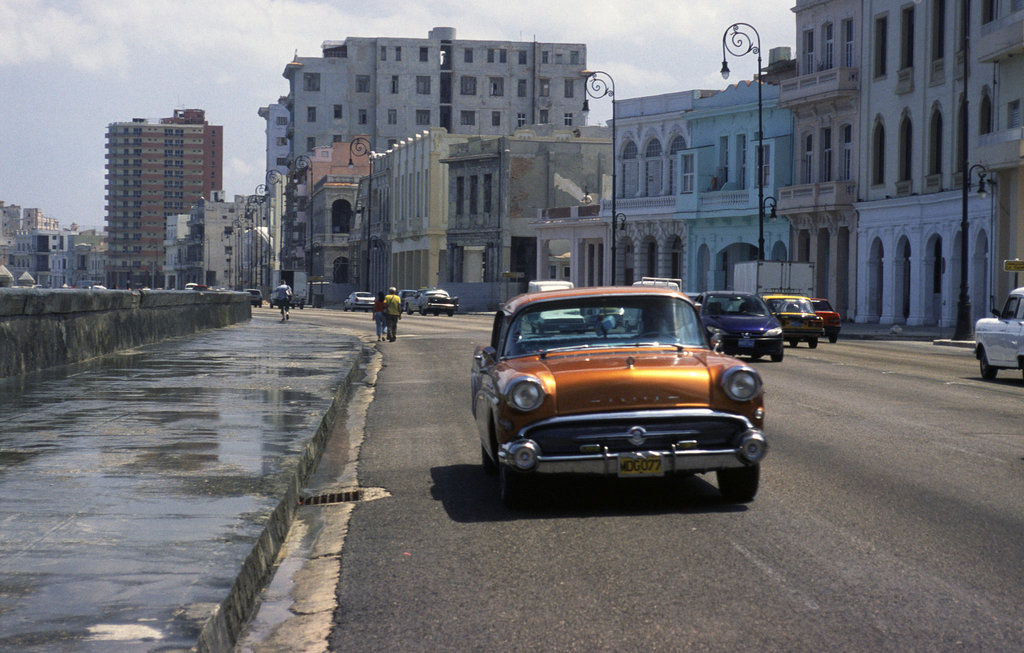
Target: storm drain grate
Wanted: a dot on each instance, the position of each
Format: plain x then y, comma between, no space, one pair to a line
345,496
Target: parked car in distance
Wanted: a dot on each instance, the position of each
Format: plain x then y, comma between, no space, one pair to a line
358,301
741,323
434,301
404,295
829,317
798,319
1000,339
257,297
638,394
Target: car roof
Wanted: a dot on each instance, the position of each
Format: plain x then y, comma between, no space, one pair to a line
519,301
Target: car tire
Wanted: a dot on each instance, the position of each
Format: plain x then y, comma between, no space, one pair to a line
451,313
739,485
794,342
423,311
490,467
777,358
987,371
512,487
833,338
812,343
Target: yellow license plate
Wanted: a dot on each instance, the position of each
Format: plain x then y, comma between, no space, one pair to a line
640,464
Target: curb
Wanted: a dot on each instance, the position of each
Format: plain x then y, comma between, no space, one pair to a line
221,631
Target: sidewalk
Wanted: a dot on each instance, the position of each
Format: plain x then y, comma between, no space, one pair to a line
145,492
938,335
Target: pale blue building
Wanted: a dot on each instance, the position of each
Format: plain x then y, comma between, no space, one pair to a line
718,188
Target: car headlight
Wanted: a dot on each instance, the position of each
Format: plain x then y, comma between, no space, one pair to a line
741,384
771,333
525,394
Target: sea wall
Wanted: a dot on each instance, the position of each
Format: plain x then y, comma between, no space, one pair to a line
42,327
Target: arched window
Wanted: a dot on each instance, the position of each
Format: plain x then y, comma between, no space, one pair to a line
807,164
906,148
677,145
341,217
630,170
652,168
878,155
935,145
985,113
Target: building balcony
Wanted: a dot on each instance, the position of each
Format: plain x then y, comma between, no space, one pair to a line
823,86
1001,149
1001,39
809,198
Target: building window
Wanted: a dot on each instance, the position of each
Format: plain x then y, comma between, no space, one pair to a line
567,119
985,114
574,56
383,53
521,87
460,194
907,39
394,84
935,155
473,194
423,84
311,82
988,10
490,55
878,156
392,116
488,181
544,56
828,46
467,84
520,119
362,83
807,162
362,117
938,29
398,53
808,61
826,155
545,87
542,116
424,53
847,171
467,118
848,43
677,145
497,86
310,114
522,57
881,45
906,149
310,143
570,88
495,119
339,112
1013,114
422,117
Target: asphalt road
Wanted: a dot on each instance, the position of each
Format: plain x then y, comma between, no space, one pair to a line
889,518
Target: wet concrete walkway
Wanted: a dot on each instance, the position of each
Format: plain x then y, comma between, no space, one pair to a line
135,486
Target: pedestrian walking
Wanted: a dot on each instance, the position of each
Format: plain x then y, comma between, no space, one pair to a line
283,295
378,315
392,312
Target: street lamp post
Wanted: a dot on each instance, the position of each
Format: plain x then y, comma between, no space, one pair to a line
963,328
739,43
360,147
598,84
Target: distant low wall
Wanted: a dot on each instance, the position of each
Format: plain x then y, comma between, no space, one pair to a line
41,328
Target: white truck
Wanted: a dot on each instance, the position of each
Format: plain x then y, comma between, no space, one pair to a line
763,277
1000,339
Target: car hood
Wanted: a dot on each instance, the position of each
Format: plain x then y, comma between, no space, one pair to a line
631,380
741,323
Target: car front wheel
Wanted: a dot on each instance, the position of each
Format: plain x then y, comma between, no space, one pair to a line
513,487
812,343
987,371
834,338
777,358
739,485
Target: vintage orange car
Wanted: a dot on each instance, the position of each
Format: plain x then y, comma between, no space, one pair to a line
829,316
638,392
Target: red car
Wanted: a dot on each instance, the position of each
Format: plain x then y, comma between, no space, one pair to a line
831,318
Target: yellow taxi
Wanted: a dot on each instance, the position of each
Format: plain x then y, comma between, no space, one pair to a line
799,321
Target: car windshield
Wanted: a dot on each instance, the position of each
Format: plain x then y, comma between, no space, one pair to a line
604,322
734,304
821,305
791,305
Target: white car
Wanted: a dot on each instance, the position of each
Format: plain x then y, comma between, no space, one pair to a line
1000,339
359,301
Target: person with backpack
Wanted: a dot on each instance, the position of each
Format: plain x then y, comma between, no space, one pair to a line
283,295
392,312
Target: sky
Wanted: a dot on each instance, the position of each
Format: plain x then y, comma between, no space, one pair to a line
69,68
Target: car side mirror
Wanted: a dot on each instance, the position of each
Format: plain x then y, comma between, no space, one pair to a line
486,356
996,313
716,341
